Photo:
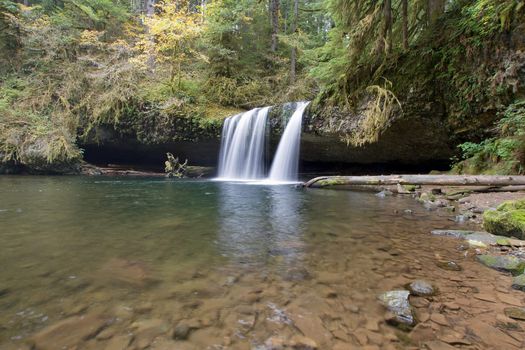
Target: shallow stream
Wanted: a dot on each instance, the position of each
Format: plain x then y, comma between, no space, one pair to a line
175,264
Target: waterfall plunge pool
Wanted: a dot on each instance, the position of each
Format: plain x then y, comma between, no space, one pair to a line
233,265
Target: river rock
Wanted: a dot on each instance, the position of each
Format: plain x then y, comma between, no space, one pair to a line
297,275
310,325
421,288
505,263
69,332
396,301
438,345
184,328
384,193
128,272
507,220
119,342
299,342
449,265
518,282
453,233
146,331
517,313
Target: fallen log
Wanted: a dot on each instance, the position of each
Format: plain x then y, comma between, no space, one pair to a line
437,180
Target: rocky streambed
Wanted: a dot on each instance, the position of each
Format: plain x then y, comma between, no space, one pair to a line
221,266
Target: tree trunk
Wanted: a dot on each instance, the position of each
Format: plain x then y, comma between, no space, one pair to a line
404,10
387,33
439,180
150,12
150,8
435,8
293,58
274,11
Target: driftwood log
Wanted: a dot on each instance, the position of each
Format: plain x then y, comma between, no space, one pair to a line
436,180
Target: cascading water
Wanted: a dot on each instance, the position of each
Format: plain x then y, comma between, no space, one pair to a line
243,143
242,146
286,161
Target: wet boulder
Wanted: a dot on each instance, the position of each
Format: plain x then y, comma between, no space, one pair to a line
505,263
421,288
396,301
507,220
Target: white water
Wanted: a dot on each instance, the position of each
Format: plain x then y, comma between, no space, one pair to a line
242,146
286,161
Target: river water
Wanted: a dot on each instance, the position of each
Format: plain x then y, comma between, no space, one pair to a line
230,264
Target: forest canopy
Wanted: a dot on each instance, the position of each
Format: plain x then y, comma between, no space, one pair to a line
67,66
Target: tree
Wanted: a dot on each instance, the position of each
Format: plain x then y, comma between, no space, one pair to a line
170,38
274,14
404,15
293,58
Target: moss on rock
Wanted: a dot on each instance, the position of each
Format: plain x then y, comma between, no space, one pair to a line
518,282
506,220
512,205
504,263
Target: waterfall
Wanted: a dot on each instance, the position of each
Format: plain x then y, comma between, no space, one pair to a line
286,161
242,146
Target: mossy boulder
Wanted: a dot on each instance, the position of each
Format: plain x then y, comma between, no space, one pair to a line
505,221
512,205
506,263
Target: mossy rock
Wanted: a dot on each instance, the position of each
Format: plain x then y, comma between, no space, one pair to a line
505,263
519,282
505,223
512,205
410,188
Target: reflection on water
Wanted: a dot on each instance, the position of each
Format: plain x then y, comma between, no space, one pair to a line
227,258
256,223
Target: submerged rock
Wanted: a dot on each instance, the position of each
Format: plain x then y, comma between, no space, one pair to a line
69,332
133,273
455,233
183,329
396,301
384,193
518,282
505,263
449,265
299,342
297,274
145,331
421,288
517,313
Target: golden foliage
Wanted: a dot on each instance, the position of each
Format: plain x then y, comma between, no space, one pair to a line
376,116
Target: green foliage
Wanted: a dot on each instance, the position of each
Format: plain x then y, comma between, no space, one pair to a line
68,67
504,153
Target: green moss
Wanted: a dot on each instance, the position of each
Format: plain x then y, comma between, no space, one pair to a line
410,188
503,242
505,263
330,182
505,222
512,205
426,197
